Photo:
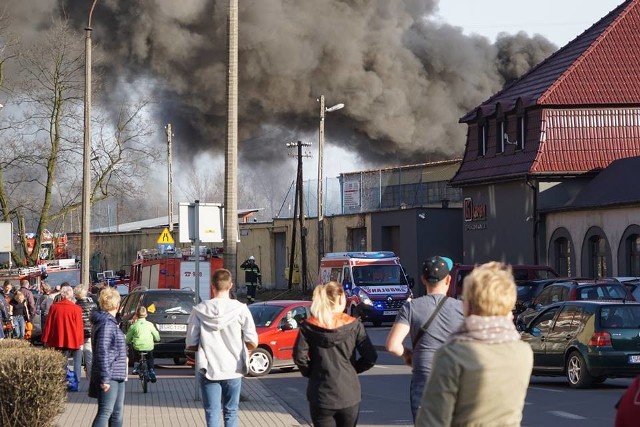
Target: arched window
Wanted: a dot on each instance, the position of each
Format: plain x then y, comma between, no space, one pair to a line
562,257
633,254
561,253
597,257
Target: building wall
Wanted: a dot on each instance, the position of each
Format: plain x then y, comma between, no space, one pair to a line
421,233
613,222
498,223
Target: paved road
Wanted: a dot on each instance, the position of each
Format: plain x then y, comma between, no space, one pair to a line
550,401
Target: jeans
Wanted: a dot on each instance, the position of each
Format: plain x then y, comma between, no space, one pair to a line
110,406
416,390
86,353
213,392
19,326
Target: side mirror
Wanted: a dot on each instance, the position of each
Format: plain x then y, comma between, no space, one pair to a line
287,326
520,326
536,332
538,307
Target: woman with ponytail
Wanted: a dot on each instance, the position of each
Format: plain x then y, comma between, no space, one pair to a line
325,352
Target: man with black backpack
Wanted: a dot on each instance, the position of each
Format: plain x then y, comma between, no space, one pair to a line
429,320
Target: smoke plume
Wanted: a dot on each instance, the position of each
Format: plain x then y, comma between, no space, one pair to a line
405,79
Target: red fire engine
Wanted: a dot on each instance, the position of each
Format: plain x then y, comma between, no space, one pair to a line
173,270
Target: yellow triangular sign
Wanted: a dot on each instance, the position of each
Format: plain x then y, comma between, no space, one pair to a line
165,237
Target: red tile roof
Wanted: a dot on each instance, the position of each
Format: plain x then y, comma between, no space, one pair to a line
580,140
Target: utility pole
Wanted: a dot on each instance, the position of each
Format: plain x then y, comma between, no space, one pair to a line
298,215
86,157
231,150
170,179
323,110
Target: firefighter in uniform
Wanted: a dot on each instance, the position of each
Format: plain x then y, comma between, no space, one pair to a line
252,278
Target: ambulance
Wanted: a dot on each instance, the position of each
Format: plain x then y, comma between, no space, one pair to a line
375,283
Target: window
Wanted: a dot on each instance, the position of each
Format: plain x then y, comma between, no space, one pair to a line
563,257
545,320
483,135
500,130
597,257
522,132
357,239
633,254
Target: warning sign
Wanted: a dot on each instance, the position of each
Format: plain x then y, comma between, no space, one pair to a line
165,237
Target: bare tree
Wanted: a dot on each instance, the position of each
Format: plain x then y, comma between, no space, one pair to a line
204,186
41,157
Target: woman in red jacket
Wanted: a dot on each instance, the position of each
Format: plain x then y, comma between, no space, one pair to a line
64,328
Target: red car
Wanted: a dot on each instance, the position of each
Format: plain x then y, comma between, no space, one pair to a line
277,323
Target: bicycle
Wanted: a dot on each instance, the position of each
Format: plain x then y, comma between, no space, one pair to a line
143,371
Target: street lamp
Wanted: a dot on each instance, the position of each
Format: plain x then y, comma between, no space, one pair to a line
86,154
323,110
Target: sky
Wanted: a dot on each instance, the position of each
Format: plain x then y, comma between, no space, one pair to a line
560,21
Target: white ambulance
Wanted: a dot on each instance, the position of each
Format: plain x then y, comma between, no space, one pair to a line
375,283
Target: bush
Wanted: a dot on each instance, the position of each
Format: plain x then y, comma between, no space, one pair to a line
33,389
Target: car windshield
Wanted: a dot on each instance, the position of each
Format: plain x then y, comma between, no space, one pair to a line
619,317
378,275
264,315
174,303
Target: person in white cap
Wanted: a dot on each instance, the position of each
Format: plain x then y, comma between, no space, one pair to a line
252,278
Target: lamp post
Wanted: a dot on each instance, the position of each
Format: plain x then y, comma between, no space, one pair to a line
323,110
86,154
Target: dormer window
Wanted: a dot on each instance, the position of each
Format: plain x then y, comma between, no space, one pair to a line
522,131
501,128
483,136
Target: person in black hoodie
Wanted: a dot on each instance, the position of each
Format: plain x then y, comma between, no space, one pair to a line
325,352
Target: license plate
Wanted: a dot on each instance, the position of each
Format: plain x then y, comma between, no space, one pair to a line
171,327
635,358
390,313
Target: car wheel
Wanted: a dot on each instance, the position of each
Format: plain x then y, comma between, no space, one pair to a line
179,361
577,372
260,362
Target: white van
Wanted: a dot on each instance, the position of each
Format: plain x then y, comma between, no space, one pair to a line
375,283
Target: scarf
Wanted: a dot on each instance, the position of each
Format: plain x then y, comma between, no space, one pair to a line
487,329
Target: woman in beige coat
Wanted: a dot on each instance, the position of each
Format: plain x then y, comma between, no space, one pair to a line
480,376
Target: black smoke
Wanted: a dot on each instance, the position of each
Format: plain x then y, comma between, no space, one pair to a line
405,79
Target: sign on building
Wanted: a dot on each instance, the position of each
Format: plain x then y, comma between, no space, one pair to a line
351,194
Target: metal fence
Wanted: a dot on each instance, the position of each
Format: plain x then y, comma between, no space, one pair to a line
372,191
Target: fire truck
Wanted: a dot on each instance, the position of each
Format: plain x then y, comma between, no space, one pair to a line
173,270
374,283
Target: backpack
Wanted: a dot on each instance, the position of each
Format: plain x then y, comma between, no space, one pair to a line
629,406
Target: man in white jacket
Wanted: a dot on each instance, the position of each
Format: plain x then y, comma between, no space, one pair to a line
223,332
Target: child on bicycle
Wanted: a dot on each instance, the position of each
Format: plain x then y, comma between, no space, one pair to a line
141,336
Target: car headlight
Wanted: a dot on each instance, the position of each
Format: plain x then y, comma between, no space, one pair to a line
364,298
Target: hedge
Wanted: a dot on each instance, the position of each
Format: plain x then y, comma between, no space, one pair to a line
33,389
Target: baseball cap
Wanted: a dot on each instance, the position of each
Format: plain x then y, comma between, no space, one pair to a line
436,268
